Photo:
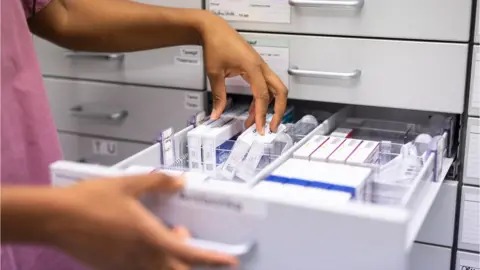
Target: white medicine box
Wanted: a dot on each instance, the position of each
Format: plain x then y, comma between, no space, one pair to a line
282,228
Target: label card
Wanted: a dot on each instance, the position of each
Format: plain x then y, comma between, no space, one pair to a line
276,58
469,265
471,219
105,148
475,91
268,11
193,101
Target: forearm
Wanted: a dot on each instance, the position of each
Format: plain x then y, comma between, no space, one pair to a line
27,214
117,25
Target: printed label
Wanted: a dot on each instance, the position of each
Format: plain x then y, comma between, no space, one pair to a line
469,265
269,11
193,101
471,219
276,58
184,60
191,52
104,147
475,91
219,202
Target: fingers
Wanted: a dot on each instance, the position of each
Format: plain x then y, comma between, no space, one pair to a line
138,184
251,115
280,93
261,96
219,93
182,234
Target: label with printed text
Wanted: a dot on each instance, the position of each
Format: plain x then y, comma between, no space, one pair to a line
269,11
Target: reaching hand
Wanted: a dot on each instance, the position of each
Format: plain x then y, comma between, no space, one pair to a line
227,54
104,225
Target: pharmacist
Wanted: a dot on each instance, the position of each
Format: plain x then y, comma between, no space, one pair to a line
100,224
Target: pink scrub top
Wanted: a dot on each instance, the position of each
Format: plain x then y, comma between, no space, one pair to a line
29,140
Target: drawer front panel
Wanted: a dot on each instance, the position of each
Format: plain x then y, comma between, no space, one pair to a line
467,261
180,67
440,222
70,147
426,257
471,173
120,111
398,74
474,99
427,19
469,232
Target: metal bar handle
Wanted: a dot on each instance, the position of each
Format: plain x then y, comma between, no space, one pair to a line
78,111
295,71
355,4
106,56
233,250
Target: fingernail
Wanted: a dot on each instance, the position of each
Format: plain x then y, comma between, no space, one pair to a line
214,114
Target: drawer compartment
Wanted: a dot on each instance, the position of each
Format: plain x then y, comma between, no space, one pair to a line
396,74
120,111
467,261
179,67
440,222
427,19
254,221
474,98
469,231
471,173
426,257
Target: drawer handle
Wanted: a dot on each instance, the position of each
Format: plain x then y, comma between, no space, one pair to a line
357,4
79,112
232,250
295,71
106,56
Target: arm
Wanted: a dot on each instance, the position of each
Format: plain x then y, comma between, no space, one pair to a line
26,213
117,25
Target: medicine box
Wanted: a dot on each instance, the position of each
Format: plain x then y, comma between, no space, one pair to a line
326,149
366,152
345,150
309,147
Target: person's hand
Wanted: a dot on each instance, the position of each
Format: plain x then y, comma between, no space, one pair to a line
105,226
227,54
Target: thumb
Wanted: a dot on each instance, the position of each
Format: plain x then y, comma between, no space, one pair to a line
219,93
138,184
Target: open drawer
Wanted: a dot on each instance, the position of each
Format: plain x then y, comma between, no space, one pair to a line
279,228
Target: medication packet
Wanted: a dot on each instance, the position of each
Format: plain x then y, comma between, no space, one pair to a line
366,152
194,141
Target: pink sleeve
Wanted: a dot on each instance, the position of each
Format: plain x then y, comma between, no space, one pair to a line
29,4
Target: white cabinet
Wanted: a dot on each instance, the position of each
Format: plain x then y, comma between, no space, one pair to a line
471,171
474,99
69,145
120,111
427,257
467,261
439,225
395,74
469,231
411,19
180,67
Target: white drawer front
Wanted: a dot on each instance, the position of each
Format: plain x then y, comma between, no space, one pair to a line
471,171
474,99
174,3
477,25
467,261
426,257
469,232
69,144
171,67
440,222
417,19
120,111
398,74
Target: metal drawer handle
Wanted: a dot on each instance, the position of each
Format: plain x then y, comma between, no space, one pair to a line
356,4
295,71
79,112
106,56
233,250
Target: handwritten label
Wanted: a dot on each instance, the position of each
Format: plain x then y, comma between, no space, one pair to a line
193,101
276,58
104,147
269,11
184,60
469,265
